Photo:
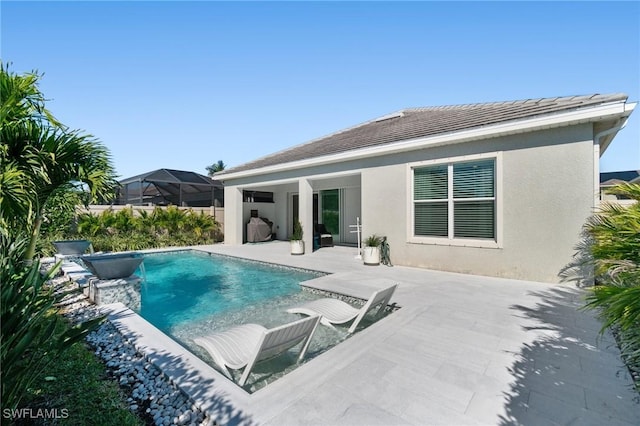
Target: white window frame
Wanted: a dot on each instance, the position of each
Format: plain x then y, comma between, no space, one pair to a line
450,240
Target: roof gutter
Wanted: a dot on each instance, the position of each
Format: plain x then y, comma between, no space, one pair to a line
598,113
613,130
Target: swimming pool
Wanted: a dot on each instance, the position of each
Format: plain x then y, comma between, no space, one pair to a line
189,293
188,285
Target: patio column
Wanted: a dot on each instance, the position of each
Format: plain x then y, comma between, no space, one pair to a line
233,223
305,212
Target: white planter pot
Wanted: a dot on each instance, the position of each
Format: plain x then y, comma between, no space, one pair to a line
371,255
297,247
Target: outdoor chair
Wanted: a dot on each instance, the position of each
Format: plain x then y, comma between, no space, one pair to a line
324,237
336,311
245,345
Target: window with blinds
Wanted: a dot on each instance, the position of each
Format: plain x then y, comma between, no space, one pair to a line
455,200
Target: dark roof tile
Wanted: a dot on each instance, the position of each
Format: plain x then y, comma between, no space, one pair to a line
414,123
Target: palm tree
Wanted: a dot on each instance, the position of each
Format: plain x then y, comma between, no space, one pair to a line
614,233
39,157
215,168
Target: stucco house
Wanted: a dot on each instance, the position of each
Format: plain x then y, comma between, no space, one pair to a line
499,189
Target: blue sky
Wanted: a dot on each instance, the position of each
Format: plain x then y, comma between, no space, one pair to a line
184,84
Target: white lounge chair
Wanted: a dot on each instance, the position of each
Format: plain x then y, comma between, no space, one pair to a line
336,311
245,345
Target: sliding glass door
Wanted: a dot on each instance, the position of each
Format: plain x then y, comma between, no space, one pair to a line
338,209
330,211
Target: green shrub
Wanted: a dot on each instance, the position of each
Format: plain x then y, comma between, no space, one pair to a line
164,227
373,241
59,217
298,232
614,249
28,319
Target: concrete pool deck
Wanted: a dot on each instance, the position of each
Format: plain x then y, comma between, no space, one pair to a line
462,350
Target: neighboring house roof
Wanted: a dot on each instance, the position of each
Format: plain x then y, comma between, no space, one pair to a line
173,186
614,178
414,123
171,176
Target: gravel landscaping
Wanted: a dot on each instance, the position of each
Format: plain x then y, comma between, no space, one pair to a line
150,394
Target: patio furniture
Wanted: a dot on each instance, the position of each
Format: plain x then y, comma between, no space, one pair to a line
259,229
336,311
325,238
245,345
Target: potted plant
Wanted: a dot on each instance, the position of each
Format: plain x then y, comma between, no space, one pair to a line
297,245
371,250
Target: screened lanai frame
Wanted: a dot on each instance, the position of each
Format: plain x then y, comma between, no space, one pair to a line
168,186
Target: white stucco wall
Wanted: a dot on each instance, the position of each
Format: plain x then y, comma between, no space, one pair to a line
233,224
547,193
352,210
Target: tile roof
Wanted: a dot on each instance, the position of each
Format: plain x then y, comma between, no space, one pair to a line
414,123
612,178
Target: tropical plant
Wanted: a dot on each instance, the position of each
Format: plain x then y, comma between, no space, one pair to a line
200,224
298,232
621,306
124,222
615,231
39,157
373,241
28,319
90,225
614,249
170,226
59,216
170,220
146,222
216,167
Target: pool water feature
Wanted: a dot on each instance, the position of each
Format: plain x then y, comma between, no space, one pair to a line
189,294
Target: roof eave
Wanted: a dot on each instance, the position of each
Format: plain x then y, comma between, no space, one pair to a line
583,115
622,122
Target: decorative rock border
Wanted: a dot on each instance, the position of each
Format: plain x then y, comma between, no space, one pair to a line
152,396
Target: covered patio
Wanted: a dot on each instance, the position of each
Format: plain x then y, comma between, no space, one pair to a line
330,199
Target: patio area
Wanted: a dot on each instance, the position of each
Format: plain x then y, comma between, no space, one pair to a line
462,350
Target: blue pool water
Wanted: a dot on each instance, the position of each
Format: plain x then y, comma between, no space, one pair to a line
189,286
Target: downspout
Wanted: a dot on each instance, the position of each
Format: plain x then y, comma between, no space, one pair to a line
596,158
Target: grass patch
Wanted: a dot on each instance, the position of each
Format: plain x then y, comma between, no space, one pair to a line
78,391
